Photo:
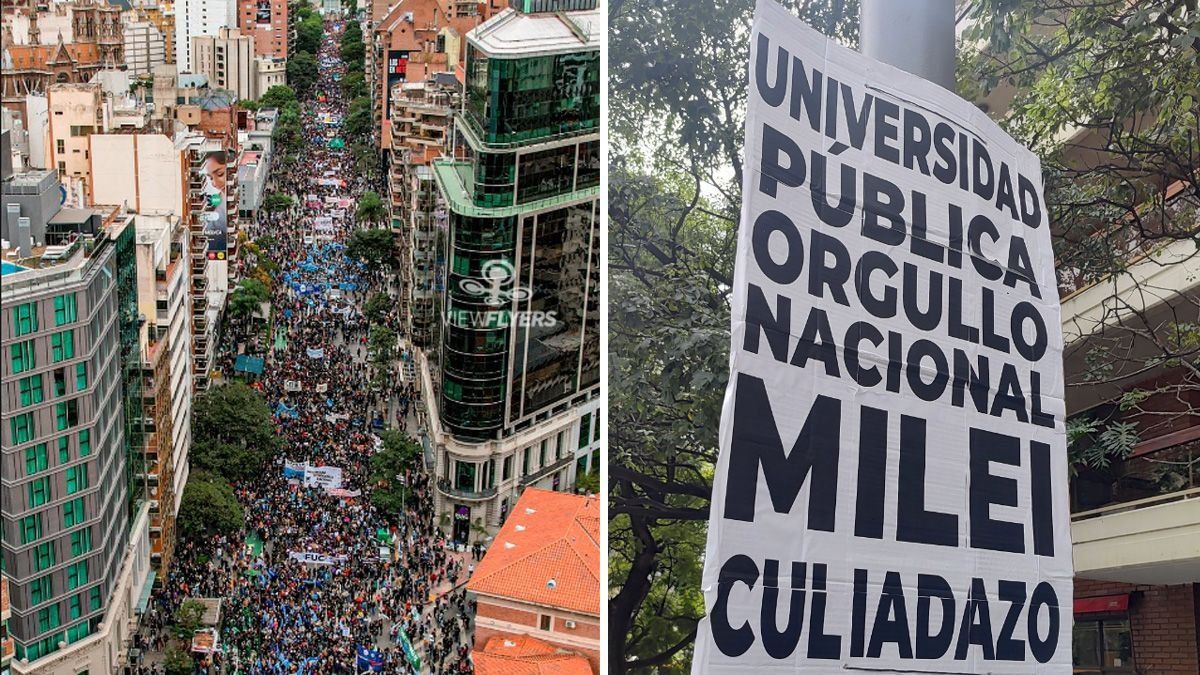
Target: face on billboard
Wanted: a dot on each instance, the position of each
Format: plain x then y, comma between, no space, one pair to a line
215,216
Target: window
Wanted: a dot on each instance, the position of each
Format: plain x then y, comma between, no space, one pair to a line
41,590
596,436
81,541
75,609
85,442
31,390
65,311
25,319
1102,645
77,633
585,430
73,513
22,357
66,414
542,452
64,449
525,462
60,145
21,427
77,479
43,556
81,378
31,528
60,382
62,345
39,491
544,621
48,618
94,598
77,575
560,446
35,459
507,468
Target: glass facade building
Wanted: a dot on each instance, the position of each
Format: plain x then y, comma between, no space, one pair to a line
64,451
521,328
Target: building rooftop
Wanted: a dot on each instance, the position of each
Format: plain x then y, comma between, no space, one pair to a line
31,182
525,655
511,34
547,553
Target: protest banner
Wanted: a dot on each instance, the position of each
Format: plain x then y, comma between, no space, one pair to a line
322,476
312,558
891,491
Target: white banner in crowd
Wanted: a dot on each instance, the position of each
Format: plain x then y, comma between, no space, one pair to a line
293,385
323,224
328,477
891,492
316,558
321,388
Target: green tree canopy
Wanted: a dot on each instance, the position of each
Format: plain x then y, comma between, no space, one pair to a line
370,208
399,453
278,96
360,118
381,343
354,85
375,246
377,307
209,508
309,33
302,71
278,201
235,431
177,661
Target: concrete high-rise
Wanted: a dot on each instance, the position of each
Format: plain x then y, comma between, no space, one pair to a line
227,59
516,399
199,17
267,22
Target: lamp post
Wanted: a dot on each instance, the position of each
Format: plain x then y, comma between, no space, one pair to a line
916,36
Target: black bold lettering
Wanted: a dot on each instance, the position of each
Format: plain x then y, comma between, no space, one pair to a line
768,223
732,641
875,208
776,145
986,489
772,94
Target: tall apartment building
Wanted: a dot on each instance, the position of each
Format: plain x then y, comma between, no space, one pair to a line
421,121
227,59
195,178
163,280
76,112
160,13
518,369
74,525
145,46
199,17
267,22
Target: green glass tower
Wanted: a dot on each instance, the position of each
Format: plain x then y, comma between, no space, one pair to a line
521,332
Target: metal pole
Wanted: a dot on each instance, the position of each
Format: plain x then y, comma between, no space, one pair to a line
913,35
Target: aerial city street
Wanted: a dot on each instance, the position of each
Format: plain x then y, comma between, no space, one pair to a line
316,423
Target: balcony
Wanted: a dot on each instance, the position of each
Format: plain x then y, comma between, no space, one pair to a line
547,470
447,489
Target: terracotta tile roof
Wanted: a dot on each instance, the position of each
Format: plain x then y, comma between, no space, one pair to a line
547,553
525,655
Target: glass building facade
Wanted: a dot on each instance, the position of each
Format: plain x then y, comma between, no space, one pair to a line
521,327
64,453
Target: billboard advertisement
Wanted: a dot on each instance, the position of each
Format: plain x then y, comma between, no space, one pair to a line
215,213
891,490
262,12
397,72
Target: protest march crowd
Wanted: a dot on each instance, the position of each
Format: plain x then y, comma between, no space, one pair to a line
324,582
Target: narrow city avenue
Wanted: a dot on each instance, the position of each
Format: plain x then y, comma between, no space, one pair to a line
279,615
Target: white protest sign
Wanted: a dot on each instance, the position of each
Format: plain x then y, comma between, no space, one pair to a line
312,558
323,476
891,491
293,385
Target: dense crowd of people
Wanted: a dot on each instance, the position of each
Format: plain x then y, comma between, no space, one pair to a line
368,579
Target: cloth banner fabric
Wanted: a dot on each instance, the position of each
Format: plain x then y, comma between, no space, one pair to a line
316,558
315,352
293,385
328,477
323,223
891,489
294,469
322,388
